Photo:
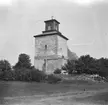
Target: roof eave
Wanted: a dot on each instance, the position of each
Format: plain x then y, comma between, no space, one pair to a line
41,35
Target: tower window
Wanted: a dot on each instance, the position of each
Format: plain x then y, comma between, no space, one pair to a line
45,47
49,27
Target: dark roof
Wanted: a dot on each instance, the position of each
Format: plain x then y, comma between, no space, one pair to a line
52,20
52,33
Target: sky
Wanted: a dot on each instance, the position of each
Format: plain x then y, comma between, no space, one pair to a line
84,22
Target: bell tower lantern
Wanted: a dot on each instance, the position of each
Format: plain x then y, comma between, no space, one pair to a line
51,25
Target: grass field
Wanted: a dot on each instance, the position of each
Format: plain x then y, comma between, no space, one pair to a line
65,93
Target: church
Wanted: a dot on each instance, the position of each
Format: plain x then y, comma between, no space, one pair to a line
51,50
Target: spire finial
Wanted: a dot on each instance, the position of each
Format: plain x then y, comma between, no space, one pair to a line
52,17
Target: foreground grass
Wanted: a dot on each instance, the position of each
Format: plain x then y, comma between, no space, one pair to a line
70,93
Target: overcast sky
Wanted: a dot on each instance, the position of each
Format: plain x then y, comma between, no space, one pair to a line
84,22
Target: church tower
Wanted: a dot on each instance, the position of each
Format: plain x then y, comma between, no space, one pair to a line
51,50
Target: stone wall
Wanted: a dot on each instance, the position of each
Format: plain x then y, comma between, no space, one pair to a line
62,47
55,53
49,41
52,65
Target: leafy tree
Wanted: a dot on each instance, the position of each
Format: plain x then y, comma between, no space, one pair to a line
103,66
86,63
23,74
5,68
4,65
79,67
23,62
69,66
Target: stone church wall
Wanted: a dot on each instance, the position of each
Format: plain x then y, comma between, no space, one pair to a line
62,46
39,63
51,43
52,65
56,45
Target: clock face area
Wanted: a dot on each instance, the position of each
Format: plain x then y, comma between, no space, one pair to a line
46,45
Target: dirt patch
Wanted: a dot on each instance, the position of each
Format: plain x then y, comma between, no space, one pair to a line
100,98
67,98
17,93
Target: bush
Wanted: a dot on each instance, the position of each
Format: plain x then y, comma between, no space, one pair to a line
25,74
106,79
57,71
1,75
8,75
53,79
37,75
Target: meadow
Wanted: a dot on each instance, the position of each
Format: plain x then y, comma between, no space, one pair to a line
78,92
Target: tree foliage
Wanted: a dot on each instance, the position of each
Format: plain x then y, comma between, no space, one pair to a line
89,65
23,61
57,71
4,65
23,71
70,66
5,69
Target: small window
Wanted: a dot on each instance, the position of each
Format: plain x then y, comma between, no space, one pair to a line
45,47
49,27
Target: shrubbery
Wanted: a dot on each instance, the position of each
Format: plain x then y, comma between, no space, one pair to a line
57,71
53,79
37,75
22,74
88,65
24,71
8,75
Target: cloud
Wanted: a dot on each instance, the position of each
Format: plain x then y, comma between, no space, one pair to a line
85,2
83,44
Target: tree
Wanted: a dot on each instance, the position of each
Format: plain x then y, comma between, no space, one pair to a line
103,66
4,65
87,62
23,74
23,62
69,66
5,68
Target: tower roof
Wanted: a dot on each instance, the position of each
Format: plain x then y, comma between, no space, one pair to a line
52,33
52,20
51,28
